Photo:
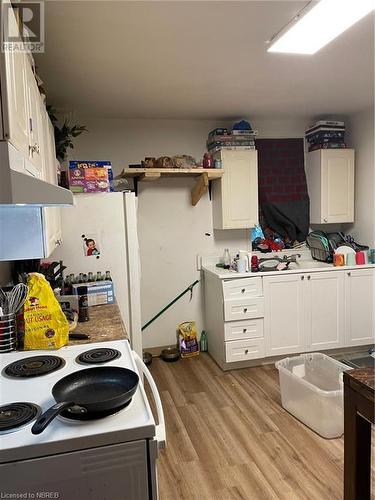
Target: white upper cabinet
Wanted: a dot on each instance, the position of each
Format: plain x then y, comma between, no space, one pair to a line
36,109
14,95
330,181
235,195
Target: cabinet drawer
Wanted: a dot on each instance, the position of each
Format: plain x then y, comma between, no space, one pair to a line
244,309
244,350
248,329
242,288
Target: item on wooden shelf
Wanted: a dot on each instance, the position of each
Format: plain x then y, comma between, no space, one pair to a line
164,162
149,162
184,161
208,160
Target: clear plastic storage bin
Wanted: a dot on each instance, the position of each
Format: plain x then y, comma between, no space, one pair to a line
312,390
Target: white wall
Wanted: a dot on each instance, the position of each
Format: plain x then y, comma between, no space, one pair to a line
361,137
171,231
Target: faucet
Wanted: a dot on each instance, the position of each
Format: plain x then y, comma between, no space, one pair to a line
292,258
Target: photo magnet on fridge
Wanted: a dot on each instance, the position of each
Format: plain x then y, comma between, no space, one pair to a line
91,245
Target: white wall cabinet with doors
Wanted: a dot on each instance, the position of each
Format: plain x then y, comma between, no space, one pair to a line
235,195
23,110
40,227
330,182
278,314
359,307
51,216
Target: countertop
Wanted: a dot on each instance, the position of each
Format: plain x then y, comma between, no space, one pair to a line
105,324
362,377
302,266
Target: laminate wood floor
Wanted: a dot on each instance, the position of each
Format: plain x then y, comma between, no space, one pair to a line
229,438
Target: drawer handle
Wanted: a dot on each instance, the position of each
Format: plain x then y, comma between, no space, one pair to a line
245,310
302,278
246,351
309,277
243,290
349,273
244,330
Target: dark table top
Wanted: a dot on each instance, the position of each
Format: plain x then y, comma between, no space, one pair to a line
361,378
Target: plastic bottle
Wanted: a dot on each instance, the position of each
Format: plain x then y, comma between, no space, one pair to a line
90,277
99,276
203,341
108,276
226,259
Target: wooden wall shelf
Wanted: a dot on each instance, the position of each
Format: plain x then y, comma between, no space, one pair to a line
205,177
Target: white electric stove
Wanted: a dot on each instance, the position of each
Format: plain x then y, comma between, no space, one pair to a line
112,457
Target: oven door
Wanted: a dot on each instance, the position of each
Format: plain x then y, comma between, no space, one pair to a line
109,472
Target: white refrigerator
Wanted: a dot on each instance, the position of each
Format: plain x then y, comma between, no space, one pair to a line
99,233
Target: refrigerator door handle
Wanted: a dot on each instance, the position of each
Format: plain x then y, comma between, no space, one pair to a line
160,428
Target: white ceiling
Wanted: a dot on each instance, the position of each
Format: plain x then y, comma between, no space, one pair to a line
197,59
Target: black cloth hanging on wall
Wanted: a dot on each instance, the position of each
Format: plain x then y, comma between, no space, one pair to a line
283,195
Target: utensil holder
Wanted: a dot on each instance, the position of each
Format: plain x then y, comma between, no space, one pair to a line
8,333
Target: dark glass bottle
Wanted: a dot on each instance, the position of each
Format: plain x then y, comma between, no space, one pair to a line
83,304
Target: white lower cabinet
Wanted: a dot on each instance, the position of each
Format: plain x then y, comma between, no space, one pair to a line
239,330
325,319
244,350
359,307
284,314
304,312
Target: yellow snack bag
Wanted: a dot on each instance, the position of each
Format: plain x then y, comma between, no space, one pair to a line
46,326
188,342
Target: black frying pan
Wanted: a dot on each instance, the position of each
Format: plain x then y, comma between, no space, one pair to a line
96,390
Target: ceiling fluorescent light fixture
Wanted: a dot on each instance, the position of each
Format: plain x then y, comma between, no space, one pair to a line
322,23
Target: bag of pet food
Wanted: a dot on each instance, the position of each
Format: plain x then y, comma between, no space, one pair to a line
46,326
187,339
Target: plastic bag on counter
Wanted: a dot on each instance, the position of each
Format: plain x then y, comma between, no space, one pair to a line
187,339
46,326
